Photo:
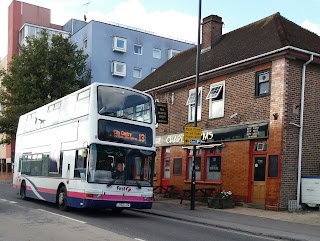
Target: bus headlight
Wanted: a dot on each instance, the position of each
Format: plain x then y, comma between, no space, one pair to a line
147,198
93,195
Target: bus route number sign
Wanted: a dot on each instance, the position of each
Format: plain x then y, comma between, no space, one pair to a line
192,135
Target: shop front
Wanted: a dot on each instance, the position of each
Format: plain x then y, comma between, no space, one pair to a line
233,159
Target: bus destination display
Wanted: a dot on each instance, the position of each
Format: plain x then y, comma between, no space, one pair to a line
124,133
130,136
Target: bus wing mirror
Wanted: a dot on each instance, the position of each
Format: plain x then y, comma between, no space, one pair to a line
84,153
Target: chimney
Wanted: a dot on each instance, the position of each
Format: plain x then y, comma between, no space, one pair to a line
211,31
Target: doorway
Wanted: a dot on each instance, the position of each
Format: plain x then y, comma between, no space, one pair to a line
259,179
166,173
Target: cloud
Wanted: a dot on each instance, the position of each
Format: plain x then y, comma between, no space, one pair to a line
313,27
168,23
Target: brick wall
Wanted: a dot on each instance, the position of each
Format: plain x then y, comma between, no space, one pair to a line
235,169
275,141
239,97
311,129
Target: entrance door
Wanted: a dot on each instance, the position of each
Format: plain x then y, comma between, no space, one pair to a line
259,179
165,180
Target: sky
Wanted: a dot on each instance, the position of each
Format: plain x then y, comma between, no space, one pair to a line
177,19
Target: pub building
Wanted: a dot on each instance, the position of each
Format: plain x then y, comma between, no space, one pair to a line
257,109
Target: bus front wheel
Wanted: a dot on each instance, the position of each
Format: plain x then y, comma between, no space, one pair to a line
23,189
62,199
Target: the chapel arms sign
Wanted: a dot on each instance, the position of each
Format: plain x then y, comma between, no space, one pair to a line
224,134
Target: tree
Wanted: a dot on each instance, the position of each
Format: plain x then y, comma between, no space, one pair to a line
45,70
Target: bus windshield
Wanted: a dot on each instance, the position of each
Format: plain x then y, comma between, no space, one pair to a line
123,103
121,166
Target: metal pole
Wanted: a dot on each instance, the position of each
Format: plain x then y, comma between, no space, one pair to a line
193,176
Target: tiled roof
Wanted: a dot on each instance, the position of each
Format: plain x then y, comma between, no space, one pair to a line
265,35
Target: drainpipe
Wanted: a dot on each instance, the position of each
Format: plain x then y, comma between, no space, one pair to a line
303,83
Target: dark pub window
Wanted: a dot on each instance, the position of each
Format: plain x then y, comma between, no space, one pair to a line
273,166
263,83
177,166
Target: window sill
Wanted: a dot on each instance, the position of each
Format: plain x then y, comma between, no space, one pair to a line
260,96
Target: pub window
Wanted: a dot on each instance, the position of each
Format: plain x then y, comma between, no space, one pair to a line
177,166
260,146
213,164
197,164
216,100
166,163
273,168
263,83
191,103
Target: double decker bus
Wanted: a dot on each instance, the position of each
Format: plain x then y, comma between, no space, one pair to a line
92,148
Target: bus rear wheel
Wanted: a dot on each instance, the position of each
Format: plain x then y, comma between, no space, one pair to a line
23,189
62,199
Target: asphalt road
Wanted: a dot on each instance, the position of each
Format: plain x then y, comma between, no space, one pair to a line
34,220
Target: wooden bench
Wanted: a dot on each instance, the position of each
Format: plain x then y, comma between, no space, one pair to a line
168,190
206,192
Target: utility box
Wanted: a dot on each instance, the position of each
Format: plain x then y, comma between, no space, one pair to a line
310,190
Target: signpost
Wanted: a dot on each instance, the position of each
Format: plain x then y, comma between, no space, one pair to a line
193,174
192,135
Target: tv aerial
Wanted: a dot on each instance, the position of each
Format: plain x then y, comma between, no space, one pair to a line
86,5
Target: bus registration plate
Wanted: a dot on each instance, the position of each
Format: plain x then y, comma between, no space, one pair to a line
123,205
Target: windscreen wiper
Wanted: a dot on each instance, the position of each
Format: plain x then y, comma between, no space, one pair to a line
114,180
138,183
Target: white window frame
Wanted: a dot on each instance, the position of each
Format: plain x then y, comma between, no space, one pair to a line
172,52
216,106
139,71
114,68
158,51
139,46
115,44
85,43
191,104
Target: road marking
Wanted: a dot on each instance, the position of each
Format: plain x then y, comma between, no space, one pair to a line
76,220
4,200
139,239
12,202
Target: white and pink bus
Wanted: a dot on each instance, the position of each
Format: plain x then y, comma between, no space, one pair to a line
93,148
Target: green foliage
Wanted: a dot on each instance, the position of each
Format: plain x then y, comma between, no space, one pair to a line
44,71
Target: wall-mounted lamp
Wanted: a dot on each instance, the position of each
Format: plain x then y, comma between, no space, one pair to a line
235,117
275,116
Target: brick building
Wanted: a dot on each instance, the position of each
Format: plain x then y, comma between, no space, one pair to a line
258,110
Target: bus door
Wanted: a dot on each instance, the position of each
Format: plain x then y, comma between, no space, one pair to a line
74,167
68,164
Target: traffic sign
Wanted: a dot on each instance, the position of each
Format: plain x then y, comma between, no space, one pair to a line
192,135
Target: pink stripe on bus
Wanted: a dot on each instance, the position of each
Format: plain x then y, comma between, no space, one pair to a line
47,190
108,197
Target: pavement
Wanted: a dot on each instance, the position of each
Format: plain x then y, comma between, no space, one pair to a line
285,225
